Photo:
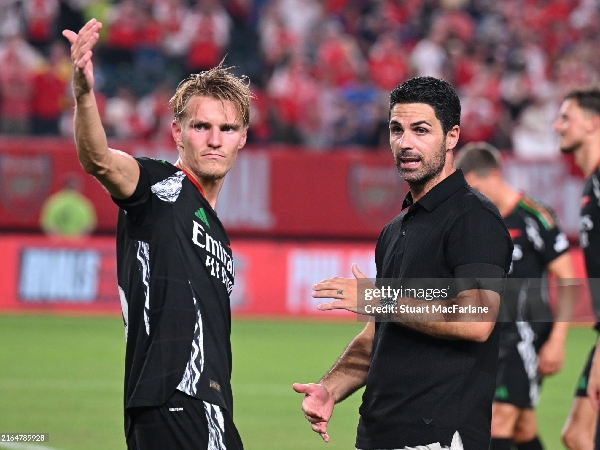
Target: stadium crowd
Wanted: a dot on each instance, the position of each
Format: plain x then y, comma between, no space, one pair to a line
320,70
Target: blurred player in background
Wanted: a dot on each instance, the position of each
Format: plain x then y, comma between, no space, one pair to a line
174,263
578,125
429,380
531,345
68,212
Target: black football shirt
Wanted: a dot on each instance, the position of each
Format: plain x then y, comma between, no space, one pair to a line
537,241
175,273
589,236
421,389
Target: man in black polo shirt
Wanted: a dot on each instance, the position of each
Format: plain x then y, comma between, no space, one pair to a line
429,382
578,125
532,345
174,264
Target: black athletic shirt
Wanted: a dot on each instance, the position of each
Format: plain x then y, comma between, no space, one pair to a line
589,236
537,241
421,389
175,273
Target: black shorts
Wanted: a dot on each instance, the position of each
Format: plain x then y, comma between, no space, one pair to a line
182,423
518,382
581,390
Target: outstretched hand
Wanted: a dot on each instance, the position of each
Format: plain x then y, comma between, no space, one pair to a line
81,56
317,406
345,290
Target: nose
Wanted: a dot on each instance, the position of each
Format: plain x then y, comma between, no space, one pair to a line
214,137
405,141
557,124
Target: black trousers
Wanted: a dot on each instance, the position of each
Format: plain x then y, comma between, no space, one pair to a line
182,423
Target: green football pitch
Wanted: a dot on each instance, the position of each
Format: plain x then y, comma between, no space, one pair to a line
63,376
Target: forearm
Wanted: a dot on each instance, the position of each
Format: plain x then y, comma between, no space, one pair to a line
559,332
470,316
90,137
350,371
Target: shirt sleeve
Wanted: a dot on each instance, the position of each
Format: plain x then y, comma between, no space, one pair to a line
546,238
479,251
138,204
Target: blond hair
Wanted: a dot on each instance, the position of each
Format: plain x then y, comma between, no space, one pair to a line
218,83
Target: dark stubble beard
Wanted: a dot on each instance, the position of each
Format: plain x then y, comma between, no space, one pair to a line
571,148
430,167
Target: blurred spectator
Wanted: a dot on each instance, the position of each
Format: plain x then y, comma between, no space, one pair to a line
171,15
11,18
207,29
40,16
339,59
387,62
121,117
429,58
18,63
155,113
49,93
276,41
294,95
310,57
67,213
480,107
531,138
260,128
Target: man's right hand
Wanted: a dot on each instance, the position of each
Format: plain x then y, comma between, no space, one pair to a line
81,56
317,406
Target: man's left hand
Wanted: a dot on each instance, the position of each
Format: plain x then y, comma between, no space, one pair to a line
345,290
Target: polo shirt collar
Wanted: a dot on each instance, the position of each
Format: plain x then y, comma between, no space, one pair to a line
439,193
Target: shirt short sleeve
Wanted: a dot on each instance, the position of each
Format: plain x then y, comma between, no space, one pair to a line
479,250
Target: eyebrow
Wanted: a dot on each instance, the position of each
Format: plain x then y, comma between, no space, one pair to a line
412,125
234,125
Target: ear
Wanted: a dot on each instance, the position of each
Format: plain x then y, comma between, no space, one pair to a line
594,122
176,132
452,137
244,138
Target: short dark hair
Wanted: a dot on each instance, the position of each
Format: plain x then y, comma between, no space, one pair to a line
478,157
438,94
587,98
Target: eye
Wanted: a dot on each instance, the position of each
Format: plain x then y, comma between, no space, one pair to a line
201,126
420,130
395,129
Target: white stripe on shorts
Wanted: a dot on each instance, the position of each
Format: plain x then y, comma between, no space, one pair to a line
456,444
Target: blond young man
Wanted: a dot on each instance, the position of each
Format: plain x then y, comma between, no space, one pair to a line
174,263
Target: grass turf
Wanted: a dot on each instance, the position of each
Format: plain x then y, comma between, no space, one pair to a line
63,376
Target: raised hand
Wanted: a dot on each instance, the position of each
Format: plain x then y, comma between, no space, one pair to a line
317,406
81,56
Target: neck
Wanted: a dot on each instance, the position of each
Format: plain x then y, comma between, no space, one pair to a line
208,188
505,198
587,157
417,191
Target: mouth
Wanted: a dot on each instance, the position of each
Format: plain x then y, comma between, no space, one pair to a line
213,156
408,162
